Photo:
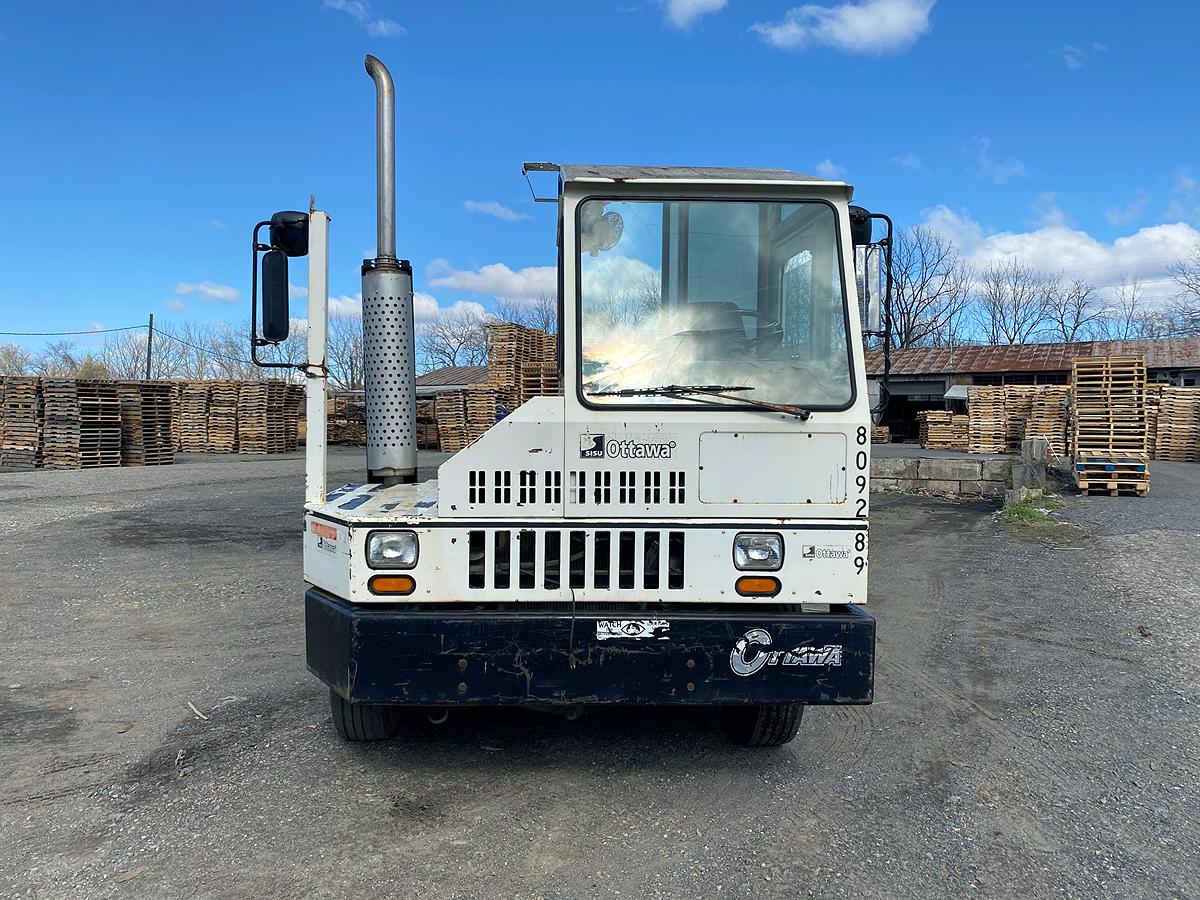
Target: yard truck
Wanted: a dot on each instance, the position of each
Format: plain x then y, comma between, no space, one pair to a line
687,523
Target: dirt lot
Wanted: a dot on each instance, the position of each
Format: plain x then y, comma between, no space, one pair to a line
1036,730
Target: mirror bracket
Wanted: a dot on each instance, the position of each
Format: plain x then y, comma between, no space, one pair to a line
288,235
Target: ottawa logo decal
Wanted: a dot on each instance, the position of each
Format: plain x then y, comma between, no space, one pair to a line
753,650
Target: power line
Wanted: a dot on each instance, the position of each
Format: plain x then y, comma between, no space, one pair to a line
63,333
164,333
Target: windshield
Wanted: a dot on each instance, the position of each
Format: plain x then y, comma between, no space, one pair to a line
745,294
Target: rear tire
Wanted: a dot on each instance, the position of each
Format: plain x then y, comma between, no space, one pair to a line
762,726
363,721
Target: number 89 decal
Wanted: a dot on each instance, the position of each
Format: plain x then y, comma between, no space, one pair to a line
860,550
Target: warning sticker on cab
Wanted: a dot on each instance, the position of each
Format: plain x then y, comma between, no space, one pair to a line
326,536
652,629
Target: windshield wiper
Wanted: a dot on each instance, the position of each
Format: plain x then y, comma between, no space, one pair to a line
707,390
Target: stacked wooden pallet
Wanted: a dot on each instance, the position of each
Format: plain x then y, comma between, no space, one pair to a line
82,424
451,413
1154,392
146,423
881,434
176,415
427,429
1048,418
1018,403
940,429
1178,436
223,416
1108,411
987,429
486,404
193,425
293,412
21,423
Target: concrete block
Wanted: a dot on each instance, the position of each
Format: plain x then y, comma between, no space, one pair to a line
893,467
940,486
970,488
996,469
992,488
950,469
879,485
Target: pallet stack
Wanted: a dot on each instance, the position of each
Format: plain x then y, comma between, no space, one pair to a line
1018,403
223,416
1108,411
881,434
146,423
451,413
21,423
176,415
292,414
82,424
193,425
1048,418
1154,392
943,430
427,429
987,429
1178,437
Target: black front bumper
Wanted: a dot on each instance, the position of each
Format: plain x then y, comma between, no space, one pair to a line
499,657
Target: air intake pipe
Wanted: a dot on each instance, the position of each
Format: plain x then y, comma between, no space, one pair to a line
389,358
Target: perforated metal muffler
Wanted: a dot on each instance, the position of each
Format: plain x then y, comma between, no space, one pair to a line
389,364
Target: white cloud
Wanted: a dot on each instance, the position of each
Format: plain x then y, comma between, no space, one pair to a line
177,305
910,161
826,168
1185,200
218,224
1047,212
426,308
208,291
360,11
1130,212
1077,57
995,171
96,326
492,208
1145,254
297,292
345,305
496,280
857,26
683,14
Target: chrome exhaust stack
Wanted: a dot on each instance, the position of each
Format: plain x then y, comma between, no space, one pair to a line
389,342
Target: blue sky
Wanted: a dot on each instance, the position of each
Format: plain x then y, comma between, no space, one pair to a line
142,141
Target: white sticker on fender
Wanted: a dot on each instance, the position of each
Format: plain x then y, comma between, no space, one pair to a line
652,629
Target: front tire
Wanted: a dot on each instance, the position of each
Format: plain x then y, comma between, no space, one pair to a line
762,726
363,721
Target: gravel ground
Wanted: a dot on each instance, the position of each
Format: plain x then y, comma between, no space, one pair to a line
1035,731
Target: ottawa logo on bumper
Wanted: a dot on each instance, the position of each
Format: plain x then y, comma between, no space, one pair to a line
753,650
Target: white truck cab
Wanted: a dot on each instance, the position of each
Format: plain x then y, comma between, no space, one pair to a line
686,523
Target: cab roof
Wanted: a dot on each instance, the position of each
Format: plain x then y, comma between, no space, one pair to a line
581,172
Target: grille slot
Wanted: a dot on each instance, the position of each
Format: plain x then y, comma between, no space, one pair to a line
602,560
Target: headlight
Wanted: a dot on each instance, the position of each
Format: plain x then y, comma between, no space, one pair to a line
763,552
392,549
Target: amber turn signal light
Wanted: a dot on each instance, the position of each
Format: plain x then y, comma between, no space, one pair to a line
392,584
757,586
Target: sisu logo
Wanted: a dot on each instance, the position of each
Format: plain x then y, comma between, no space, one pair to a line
591,446
753,650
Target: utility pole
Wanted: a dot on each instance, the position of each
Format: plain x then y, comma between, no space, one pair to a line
149,346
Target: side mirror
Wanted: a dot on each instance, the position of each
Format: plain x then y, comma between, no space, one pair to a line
860,226
288,237
275,322
871,288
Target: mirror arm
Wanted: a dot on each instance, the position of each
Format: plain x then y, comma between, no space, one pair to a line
255,341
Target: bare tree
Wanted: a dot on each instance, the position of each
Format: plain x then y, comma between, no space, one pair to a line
931,289
1012,302
541,313
1072,309
1185,309
453,339
344,349
15,360
92,368
58,359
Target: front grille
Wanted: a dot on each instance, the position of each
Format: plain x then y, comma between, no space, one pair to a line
602,560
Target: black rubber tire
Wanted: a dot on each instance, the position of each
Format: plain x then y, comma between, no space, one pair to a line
762,726
363,721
